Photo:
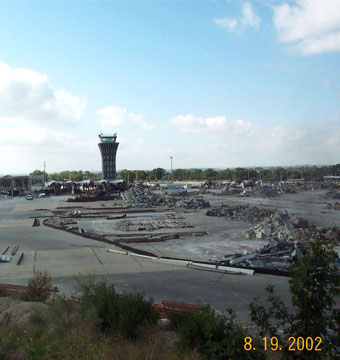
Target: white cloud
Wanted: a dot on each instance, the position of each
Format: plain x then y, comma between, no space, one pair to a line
27,146
309,26
240,143
112,116
30,108
248,18
226,23
27,96
216,126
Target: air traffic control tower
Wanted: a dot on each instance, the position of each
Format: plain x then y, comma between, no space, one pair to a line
108,149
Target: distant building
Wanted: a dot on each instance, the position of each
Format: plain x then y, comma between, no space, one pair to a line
37,182
108,149
14,184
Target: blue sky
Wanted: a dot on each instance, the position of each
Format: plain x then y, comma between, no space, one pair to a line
212,83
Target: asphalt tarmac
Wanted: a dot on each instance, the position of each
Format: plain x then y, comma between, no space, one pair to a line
67,257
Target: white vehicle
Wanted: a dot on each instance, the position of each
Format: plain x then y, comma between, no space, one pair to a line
41,195
29,197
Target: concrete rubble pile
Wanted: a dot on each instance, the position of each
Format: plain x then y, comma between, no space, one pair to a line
140,194
335,206
194,203
277,255
261,193
282,227
153,224
241,212
289,189
272,224
144,195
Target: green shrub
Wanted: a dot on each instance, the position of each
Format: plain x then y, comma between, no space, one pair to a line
39,288
176,320
59,317
216,337
315,287
126,315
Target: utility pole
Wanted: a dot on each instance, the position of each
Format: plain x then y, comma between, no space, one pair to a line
44,174
172,175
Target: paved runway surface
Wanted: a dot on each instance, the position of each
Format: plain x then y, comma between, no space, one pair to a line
66,256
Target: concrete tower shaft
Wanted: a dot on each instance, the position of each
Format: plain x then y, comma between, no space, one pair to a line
108,150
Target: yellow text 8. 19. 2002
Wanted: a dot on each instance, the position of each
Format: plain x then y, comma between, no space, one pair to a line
295,344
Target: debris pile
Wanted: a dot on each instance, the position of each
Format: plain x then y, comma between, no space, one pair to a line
153,224
274,225
277,255
144,195
335,206
241,212
263,193
93,197
289,189
281,226
332,233
194,203
140,194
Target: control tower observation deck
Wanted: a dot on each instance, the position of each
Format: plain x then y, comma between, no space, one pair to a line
108,150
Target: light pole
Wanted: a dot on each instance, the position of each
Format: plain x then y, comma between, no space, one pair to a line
172,175
44,174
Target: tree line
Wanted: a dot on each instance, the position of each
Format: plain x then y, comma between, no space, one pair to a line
236,174
68,175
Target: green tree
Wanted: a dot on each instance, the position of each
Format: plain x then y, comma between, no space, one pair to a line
128,315
122,174
65,175
218,337
54,176
179,174
315,287
241,173
88,175
141,175
36,172
76,175
128,175
39,288
225,174
195,174
209,174
158,173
